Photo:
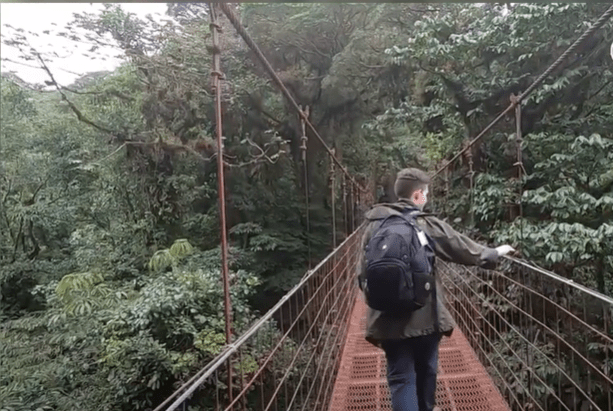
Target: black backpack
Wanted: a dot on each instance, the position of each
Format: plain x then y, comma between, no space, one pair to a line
399,266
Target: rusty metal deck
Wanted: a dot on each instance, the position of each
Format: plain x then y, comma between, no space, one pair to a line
463,383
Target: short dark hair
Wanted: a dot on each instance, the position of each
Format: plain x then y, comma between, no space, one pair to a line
409,180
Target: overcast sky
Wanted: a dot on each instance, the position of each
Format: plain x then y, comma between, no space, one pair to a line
40,17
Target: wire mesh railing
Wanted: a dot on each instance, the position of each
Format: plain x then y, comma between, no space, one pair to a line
547,342
289,358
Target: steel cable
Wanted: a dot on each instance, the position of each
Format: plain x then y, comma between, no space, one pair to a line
589,32
254,47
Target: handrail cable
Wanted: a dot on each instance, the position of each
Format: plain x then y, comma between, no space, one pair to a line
303,149
540,323
308,332
222,357
333,201
480,347
599,23
528,264
463,280
254,47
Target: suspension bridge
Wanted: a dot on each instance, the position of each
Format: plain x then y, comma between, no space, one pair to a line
526,338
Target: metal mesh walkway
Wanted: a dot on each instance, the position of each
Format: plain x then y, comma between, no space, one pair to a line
463,383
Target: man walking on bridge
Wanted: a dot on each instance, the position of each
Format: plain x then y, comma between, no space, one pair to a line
410,338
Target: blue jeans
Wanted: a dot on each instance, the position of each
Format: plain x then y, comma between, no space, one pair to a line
411,372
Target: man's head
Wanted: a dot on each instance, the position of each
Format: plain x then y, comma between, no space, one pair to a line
412,184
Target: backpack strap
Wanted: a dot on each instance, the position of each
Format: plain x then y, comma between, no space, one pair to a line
414,213
435,305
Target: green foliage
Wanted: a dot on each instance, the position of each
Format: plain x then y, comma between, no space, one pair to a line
181,248
163,259
110,289
210,342
160,260
138,338
493,195
136,368
77,221
568,224
466,62
573,250
516,358
83,292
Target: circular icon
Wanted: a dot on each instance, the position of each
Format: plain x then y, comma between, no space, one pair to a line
427,286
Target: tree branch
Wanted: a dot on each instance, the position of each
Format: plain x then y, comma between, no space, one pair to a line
8,191
599,90
37,67
367,66
74,108
263,156
422,11
8,225
32,199
36,249
19,233
111,92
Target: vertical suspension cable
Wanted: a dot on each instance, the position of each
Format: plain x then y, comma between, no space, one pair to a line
333,200
303,149
519,163
217,75
344,188
351,209
447,188
358,205
471,175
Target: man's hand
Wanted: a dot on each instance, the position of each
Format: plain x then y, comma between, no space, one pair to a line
504,250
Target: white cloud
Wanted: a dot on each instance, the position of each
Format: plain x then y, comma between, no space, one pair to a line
74,59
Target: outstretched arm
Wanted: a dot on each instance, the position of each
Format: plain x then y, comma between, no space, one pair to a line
458,248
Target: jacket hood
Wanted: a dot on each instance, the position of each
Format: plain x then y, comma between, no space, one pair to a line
381,211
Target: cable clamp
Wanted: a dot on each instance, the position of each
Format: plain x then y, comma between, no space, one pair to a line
219,74
216,26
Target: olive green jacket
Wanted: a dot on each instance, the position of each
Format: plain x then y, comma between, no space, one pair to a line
448,245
